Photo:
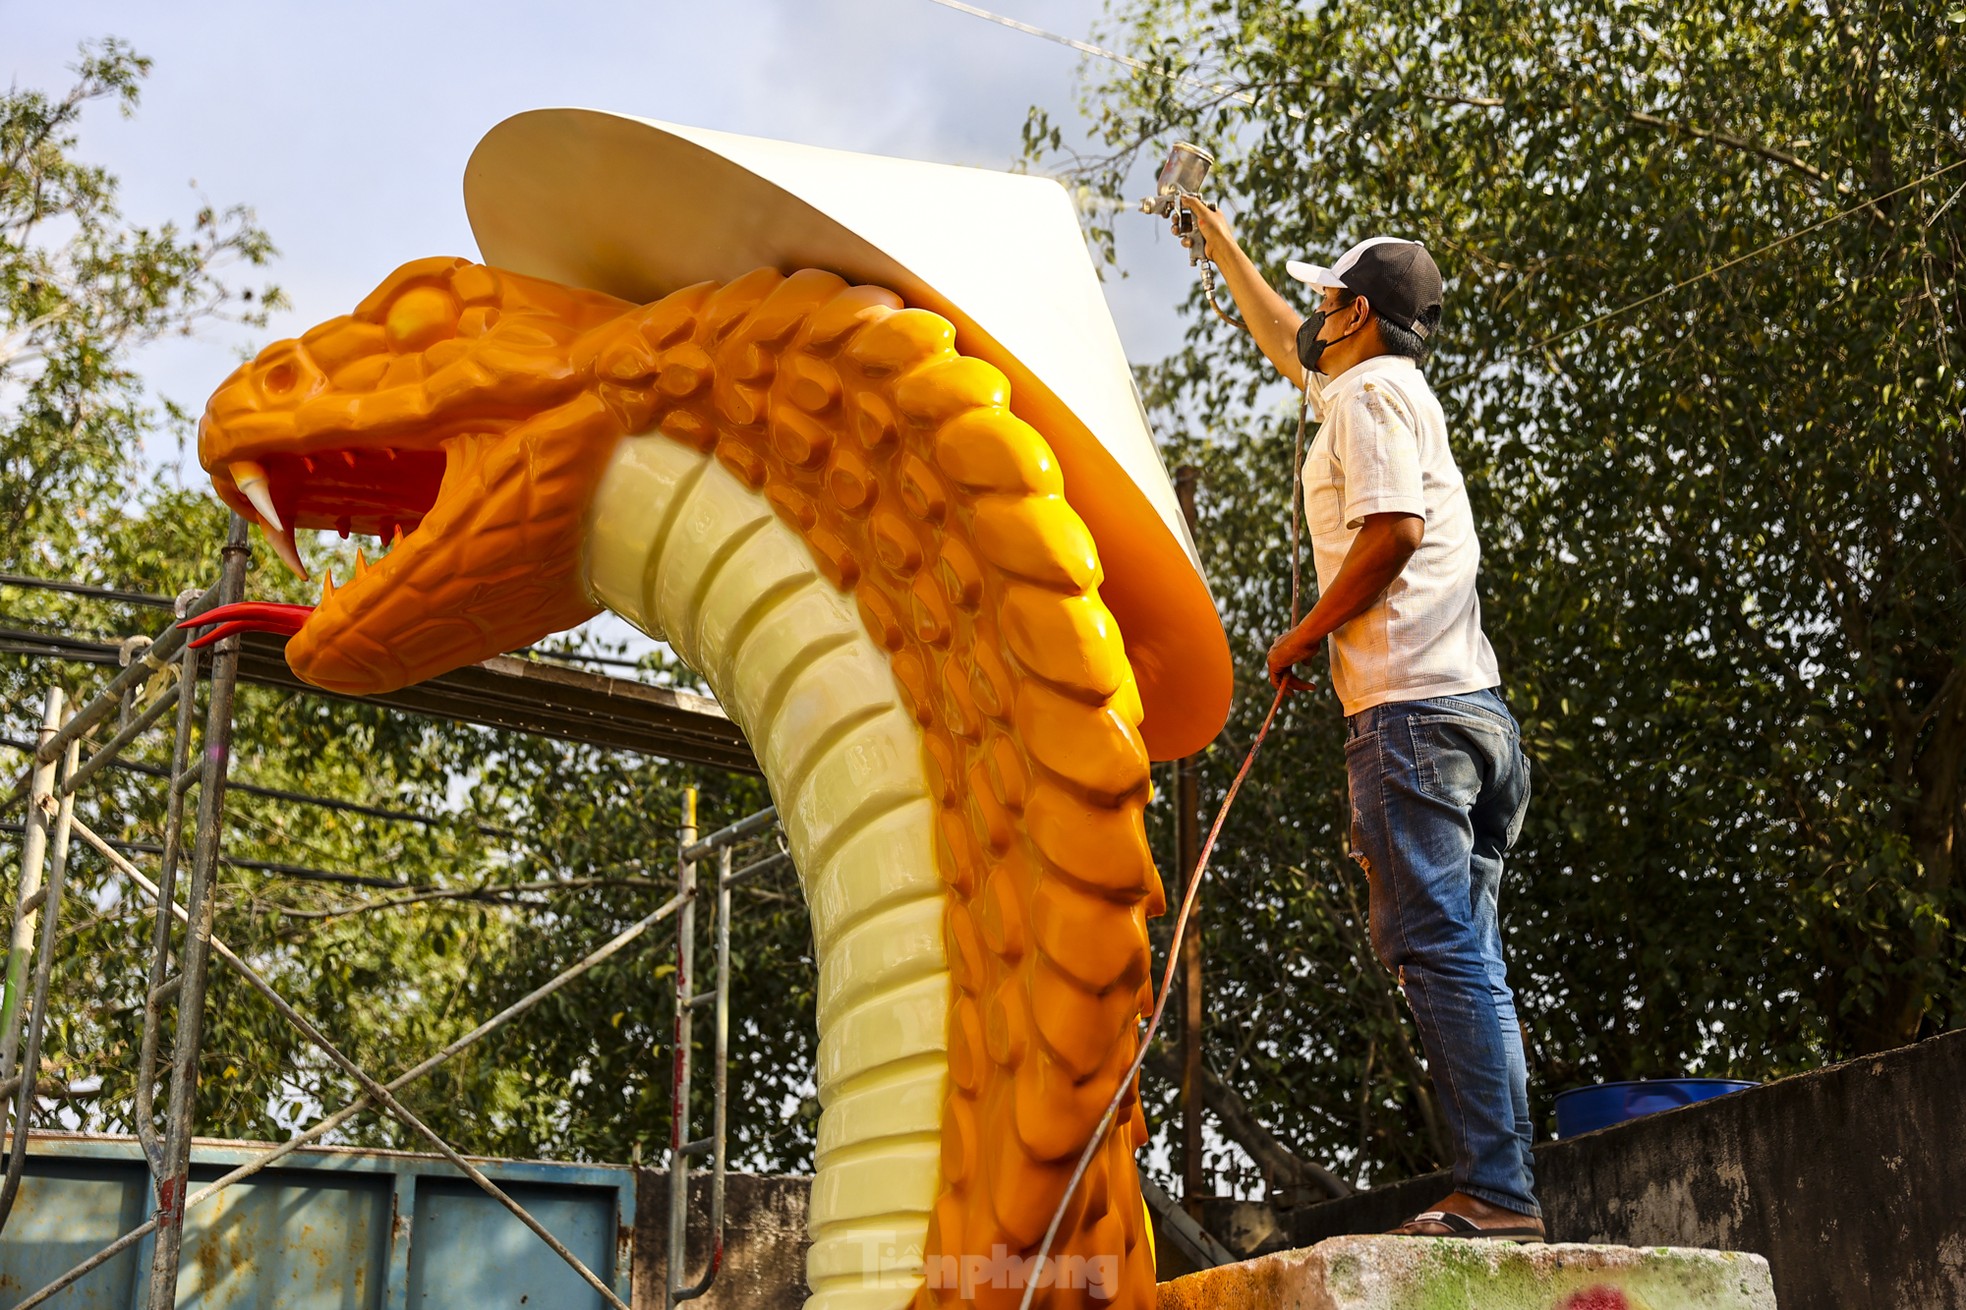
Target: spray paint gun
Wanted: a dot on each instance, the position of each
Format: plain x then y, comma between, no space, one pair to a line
1182,175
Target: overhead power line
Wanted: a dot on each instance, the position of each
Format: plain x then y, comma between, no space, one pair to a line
299,871
83,589
1757,252
1100,52
300,798
1735,262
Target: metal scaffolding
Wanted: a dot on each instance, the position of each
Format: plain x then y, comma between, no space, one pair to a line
682,1147
163,673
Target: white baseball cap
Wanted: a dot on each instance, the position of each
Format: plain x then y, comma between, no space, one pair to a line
1316,275
1397,276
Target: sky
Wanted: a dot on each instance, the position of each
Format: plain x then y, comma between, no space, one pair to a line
346,126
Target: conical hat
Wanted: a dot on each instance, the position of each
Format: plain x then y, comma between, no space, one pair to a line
638,209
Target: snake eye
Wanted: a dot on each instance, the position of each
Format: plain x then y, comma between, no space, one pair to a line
280,379
420,317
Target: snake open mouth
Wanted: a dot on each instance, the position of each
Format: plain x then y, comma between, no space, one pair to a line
398,421
380,492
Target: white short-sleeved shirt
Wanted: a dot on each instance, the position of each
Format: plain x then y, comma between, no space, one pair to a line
1381,448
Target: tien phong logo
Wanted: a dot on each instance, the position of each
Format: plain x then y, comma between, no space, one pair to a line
1098,1276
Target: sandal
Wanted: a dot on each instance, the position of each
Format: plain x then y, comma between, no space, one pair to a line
1461,1226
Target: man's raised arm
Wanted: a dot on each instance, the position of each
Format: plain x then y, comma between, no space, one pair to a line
1271,319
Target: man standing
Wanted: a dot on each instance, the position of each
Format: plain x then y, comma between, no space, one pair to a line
1439,784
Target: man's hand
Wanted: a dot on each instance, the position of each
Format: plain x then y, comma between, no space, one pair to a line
1269,317
1380,550
1211,229
1288,650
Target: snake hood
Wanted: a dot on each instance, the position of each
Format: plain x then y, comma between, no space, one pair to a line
638,209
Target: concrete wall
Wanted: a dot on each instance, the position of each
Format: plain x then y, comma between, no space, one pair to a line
764,1241
1850,1180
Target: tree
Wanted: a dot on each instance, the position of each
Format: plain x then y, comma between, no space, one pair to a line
473,864
80,290
1724,516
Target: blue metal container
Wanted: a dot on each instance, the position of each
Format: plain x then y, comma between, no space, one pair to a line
1586,1109
325,1229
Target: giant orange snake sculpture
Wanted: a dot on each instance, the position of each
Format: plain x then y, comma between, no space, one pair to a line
897,586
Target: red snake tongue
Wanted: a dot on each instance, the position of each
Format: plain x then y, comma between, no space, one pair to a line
248,616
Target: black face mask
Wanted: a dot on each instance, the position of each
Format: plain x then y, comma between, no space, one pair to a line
1309,349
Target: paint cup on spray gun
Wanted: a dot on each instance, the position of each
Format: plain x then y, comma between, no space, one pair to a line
1184,172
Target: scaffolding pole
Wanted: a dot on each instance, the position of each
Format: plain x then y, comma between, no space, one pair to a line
23,1007
683,1148
34,855
171,1171
50,783
181,778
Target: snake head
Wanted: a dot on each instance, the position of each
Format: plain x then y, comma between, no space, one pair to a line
451,416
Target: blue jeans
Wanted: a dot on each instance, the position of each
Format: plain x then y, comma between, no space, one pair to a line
1439,789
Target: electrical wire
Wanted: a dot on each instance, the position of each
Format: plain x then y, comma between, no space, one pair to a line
1130,1080
1087,48
85,589
304,873
1769,248
301,798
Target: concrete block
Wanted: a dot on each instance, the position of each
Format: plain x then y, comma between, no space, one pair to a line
1428,1273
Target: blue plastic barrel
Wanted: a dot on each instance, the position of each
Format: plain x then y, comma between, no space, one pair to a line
1586,1109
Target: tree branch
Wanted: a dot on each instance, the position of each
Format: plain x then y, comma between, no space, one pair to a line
1742,143
1283,1166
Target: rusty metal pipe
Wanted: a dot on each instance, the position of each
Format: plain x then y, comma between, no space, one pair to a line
673,1289
194,962
160,948
716,1143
